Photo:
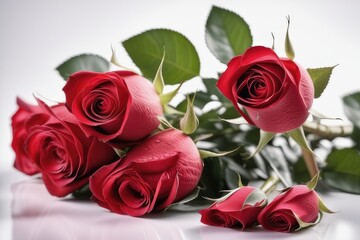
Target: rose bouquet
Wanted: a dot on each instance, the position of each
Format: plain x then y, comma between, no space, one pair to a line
122,140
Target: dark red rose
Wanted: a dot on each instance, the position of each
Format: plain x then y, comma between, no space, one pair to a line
63,154
275,92
23,119
115,107
235,210
285,211
161,170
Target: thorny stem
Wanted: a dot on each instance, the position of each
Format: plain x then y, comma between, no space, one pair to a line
270,184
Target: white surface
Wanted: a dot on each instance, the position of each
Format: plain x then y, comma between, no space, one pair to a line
28,212
38,35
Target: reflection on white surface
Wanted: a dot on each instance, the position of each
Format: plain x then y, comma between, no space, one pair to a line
36,215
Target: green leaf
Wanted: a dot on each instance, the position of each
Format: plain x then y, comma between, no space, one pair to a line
320,78
289,50
181,204
237,121
211,89
83,62
227,34
83,193
343,170
146,50
190,122
352,108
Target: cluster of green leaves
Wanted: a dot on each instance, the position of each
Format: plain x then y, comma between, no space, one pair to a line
228,35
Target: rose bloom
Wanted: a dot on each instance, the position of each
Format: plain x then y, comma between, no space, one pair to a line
63,154
115,107
275,92
161,170
233,212
23,119
297,202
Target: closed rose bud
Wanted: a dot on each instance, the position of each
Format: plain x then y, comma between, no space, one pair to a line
238,209
117,107
275,92
293,209
161,170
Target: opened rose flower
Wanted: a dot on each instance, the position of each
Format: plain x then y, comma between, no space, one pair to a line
117,107
291,210
161,170
62,153
276,93
238,209
23,119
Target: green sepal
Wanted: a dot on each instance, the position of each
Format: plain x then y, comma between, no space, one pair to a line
290,53
313,182
158,82
170,110
114,60
238,121
240,183
164,121
323,207
273,43
193,195
255,197
190,122
83,193
303,224
206,154
265,138
319,116
165,98
299,137
120,152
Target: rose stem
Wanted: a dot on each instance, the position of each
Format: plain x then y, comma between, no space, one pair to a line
310,162
270,184
328,132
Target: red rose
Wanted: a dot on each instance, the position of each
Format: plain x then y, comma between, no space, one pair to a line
275,92
62,152
161,170
118,106
21,122
283,214
235,210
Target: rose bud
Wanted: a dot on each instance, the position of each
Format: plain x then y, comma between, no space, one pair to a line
275,92
21,122
296,208
163,169
62,152
116,107
238,209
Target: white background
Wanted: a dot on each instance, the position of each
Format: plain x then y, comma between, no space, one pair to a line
38,35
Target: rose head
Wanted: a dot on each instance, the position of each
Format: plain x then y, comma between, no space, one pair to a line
276,93
63,154
163,169
21,122
283,214
235,210
115,107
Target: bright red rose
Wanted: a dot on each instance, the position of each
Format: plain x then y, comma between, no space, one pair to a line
235,210
161,170
115,107
21,123
282,214
275,92
63,154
